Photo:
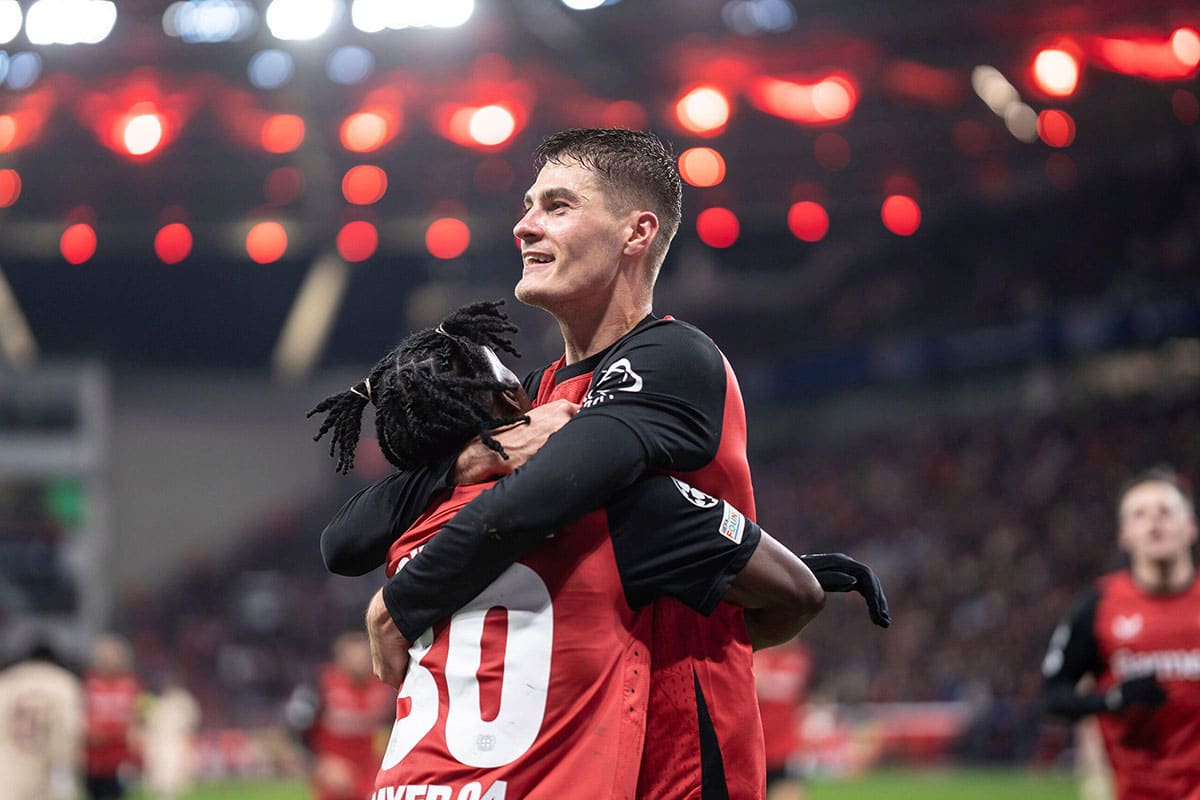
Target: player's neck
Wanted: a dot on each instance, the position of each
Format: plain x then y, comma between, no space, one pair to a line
1163,577
587,331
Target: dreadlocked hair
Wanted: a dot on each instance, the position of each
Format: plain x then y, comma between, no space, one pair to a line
432,393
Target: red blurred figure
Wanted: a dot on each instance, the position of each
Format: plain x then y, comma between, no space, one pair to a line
111,691
343,720
781,679
1136,633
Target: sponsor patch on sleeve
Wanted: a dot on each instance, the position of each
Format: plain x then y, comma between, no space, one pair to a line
733,524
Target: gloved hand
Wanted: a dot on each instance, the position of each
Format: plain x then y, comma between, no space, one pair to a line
838,572
1141,691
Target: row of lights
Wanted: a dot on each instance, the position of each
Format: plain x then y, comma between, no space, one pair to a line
58,21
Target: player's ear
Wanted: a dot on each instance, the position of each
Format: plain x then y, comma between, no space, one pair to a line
643,228
511,402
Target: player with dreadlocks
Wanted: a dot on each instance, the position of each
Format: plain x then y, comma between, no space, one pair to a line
558,700
432,393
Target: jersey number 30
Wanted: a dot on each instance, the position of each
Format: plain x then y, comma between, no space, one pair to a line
469,738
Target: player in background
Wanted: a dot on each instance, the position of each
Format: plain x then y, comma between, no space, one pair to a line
657,396
582,707
112,733
782,676
342,720
1137,632
41,729
171,723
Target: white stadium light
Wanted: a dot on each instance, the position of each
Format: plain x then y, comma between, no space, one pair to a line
10,20
197,21
302,20
70,21
582,5
372,16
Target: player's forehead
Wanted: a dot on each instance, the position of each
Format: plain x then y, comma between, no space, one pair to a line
1152,494
563,178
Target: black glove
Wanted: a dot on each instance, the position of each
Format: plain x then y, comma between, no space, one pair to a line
1143,691
838,572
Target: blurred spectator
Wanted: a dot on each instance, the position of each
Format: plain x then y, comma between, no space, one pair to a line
343,721
781,678
171,723
41,726
111,691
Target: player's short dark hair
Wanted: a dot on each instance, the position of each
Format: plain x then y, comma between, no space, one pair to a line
1159,473
636,168
432,392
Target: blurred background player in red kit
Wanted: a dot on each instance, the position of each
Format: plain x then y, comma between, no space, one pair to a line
111,689
782,676
342,721
1137,632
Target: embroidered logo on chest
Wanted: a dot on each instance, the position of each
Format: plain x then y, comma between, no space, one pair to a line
1126,627
619,376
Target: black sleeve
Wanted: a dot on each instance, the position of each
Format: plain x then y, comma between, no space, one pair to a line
667,383
658,402
575,472
1073,653
672,539
356,541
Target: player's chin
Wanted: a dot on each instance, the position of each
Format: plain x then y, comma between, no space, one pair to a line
533,291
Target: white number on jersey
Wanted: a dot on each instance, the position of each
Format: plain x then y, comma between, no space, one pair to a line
469,738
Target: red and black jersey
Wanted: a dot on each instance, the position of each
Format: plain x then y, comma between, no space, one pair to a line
1119,631
781,678
352,712
111,713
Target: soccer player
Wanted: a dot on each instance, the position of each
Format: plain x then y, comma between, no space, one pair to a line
171,723
41,729
111,690
1137,632
571,698
342,719
781,678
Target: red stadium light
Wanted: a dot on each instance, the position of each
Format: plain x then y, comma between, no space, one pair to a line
78,243
357,241
364,184
1056,128
704,111
717,227
282,133
173,243
447,238
901,215
1185,43
266,242
8,132
701,166
829,100
10,187
367,131
487,126
1056,72
808,221
142,130
1173,58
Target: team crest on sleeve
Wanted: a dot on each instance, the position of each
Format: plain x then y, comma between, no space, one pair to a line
694,495
618,376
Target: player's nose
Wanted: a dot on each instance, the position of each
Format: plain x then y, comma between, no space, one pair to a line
527,227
